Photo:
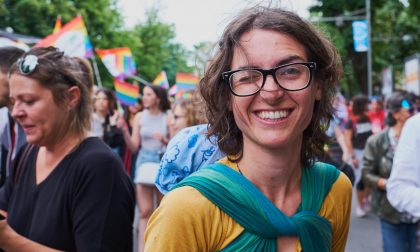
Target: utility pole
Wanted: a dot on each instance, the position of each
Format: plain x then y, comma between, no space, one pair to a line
369,52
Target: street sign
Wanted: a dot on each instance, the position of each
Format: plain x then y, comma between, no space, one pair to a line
360,36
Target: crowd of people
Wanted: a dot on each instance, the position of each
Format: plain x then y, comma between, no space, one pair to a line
263,157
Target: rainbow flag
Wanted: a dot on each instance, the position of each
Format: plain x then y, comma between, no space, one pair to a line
161,80
118,61
126,92
173,90
72,39
186,81
184,94
58,25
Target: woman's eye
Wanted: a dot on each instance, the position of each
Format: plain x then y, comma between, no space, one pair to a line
290,71
29,102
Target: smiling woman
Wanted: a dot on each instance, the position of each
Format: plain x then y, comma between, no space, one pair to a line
67,191
267,90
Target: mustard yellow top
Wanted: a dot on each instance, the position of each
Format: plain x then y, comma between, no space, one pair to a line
188,221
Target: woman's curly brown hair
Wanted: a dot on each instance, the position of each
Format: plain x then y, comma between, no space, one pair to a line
216,93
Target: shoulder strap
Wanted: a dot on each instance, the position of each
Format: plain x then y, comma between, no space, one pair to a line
22,162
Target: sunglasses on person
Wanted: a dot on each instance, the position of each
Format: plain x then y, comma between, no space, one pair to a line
27,64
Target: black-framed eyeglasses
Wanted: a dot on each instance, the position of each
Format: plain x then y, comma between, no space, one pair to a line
27,64
290,77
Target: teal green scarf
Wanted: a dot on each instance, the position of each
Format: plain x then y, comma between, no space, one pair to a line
262,220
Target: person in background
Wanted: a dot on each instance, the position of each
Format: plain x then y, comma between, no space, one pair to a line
185,113
268,88
376,115
337,148
104,120
403,186
149,136
128,117
398,229
189,149
67,191
187,152
12,137
357,130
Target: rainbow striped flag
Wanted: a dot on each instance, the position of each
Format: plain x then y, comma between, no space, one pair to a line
161,80
58,24
173,90
72,39
186,81
126,92
118,61
184,94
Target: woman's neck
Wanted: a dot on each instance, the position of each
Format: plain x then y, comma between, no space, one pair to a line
101,114
65,144
154,110
276,172
397,129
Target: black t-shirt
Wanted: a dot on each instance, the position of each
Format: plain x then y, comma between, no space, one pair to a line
362,130
85,204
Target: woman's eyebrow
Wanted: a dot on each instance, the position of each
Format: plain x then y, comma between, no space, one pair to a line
289,59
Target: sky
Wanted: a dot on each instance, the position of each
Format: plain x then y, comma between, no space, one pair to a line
197,20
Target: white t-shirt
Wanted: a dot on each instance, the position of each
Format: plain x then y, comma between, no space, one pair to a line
403,186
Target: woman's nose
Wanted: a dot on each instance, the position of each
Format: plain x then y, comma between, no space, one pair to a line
17,111
271,89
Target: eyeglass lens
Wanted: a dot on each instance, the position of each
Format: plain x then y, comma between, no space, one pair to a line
291,77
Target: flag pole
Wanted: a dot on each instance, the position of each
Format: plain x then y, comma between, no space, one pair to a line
141,80
96,70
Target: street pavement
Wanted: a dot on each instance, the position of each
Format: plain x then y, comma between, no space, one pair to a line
364,233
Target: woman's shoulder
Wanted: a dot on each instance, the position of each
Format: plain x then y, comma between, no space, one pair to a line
203,225
341,186
92,151
336,209
186,197
92,145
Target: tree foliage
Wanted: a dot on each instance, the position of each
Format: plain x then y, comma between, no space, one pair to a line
158,51
395,36
152,42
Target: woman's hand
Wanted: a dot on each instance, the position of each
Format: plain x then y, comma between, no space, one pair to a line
5,229
382,183
3,214
355,162
113,120
120,123
12,241
160,137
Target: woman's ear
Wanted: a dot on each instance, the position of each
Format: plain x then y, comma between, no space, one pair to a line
74,97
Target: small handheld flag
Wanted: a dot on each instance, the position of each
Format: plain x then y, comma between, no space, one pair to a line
186,81
72,39
57,26
161,80
126,93
118,61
